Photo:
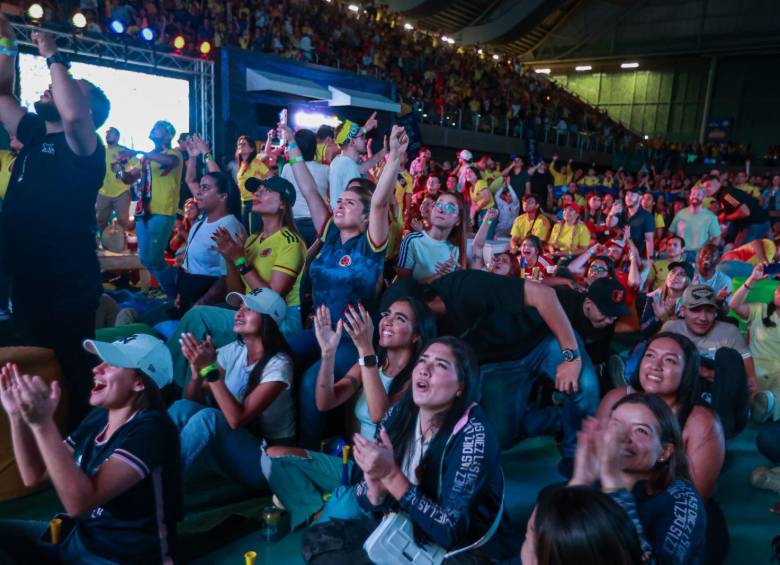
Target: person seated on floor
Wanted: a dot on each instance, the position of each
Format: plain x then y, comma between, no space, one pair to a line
272,258
669,369
249,381
201,277
582,525
638,455
728,373
347,270
764,324
519,330
569,237
436,456
427,255
298,477
117,475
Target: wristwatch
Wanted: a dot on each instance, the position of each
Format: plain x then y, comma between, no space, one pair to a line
58,58
245,268
369,361
211,376
570,355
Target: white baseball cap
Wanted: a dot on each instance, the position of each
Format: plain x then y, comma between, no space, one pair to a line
466,155
139,351
262,301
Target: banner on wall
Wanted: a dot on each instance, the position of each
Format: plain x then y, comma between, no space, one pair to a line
718,130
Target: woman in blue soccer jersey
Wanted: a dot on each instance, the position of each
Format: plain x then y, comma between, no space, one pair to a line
117,475
347,270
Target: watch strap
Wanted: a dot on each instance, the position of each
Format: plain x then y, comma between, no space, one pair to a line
369,361
58,58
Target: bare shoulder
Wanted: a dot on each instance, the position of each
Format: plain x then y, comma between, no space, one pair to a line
702,423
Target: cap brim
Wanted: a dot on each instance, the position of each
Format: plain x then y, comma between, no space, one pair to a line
252,184
108,353
235,299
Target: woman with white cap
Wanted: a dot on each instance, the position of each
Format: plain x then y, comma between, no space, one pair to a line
249,381
117,475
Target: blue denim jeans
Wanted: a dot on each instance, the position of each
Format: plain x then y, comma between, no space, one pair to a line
209,446
22,542
153,236
306,352
506,388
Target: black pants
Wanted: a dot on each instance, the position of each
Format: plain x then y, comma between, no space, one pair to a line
58,312
768,442
728,394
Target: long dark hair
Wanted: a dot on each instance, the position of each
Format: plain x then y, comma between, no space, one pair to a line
400,425
425,328
273,344
582,525
225,186
675,466
150,398
251,156
687,393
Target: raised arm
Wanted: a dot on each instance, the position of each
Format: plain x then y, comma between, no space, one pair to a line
328,395
379,218
11,112
737,303
70,100
306,183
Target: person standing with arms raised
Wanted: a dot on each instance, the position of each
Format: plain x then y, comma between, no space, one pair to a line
55,275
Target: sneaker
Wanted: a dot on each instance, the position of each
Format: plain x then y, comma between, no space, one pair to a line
763,406
616,369
765,479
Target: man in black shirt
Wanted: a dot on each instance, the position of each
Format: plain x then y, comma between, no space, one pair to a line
47,226
749,220
540,184
516,176
519,330
640,221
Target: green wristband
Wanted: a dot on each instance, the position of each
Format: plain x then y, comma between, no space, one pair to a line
206,370
295,160
10,43
240,261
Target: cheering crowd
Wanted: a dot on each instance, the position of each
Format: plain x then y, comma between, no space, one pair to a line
429,313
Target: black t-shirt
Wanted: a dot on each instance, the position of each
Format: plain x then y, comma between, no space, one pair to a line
517,182
539,184
596,339
735,198
48,218
488,312
641,223
139,525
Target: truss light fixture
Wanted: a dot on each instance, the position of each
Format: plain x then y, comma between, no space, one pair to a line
117,27
35,12
581,68
147,34
79,20
204,48
631,65
179,42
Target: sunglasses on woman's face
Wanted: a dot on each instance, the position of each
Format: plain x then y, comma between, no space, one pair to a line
446,207
598,269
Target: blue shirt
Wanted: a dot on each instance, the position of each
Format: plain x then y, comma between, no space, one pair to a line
346,273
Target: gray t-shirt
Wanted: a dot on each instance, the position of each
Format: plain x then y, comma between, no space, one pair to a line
342,170
201,256
722,334
277,421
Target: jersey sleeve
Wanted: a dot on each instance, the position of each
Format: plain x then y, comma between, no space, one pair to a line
289,261
140,446
406,255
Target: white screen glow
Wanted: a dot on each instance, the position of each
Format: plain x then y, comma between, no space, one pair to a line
138,100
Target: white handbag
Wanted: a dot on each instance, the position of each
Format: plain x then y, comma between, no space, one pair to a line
393,543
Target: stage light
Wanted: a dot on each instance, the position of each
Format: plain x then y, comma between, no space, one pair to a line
353,8
147,34
408,26
542,71
204,48
313,120
117,27
79,20
179,42
632,65
583,68
495,57
35,12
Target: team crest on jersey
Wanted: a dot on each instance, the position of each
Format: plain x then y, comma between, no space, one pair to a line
266,252
48,148
345,261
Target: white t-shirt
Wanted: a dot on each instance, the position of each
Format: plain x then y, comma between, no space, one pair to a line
506,213
415,453
342,170
367,427
277,421
201,256
320,173
420,253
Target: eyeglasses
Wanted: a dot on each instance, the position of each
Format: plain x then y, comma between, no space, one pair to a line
598,269
446,207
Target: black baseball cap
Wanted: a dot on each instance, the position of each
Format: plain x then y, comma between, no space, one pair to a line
609,296
687,267
284,187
